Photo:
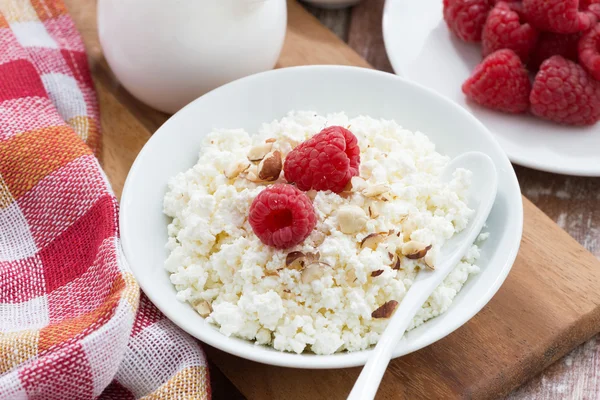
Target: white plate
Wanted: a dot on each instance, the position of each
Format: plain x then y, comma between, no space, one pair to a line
251,101
421,48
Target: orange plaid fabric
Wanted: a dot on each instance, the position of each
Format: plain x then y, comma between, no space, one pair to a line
73,324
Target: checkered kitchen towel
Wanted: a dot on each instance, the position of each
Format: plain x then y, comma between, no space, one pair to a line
72,322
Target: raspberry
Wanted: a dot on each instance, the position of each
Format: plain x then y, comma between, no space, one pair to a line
594,11
327,161
585,4
466,18
553,44
500,82
504,30
563,92
559,16
589,52
282,216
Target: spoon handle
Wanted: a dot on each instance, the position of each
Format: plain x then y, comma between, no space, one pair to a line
482,200
367,383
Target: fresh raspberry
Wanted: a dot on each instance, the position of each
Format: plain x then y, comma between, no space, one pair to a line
504,30
282,216
594,10
586,4
553,44
327,161
559,16
466,18
500,82
589,52
563,92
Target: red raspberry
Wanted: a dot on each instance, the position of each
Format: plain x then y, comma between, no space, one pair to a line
466,18
553,44
559,16
585,4
563,92
594,10
282,216
327,161
589,52
500,82
504,30
494,2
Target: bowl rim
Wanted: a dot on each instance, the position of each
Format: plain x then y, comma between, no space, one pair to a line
308,360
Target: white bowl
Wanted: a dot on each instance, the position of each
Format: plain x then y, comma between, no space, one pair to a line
249,102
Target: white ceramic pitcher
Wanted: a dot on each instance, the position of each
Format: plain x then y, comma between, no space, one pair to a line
168,52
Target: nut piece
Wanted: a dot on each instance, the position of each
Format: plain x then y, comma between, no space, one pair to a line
311,194
354,185
376,273
408,227
318,238
313,258
270,140
373,211
270,167
351,276
395,261
203,308
415,250
371,241
429,260
386,310
312,272
259,152
295,260
351,219
236,168
252,174
376,190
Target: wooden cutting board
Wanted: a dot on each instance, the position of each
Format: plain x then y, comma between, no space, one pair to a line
549,304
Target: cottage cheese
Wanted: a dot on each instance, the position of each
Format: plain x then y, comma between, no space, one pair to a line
216,258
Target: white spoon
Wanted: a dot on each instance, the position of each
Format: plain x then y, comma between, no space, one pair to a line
481,198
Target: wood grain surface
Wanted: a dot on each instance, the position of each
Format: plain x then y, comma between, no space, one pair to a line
548,304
